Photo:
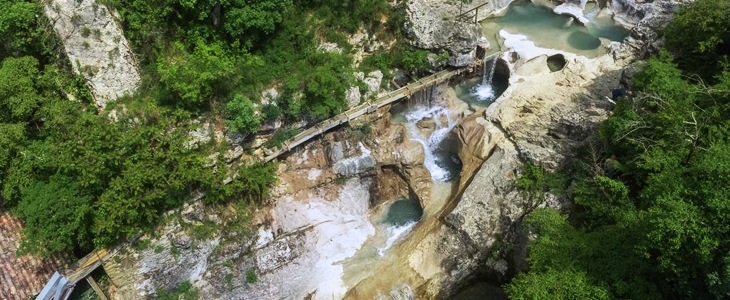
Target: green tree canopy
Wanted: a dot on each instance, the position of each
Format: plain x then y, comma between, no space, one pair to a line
18,32
57,216
241,115
658,228
194,78
700,36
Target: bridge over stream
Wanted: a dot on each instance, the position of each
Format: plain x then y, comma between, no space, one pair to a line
59,287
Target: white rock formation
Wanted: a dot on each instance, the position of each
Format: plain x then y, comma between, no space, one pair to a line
352,94
373,81
436,30
355,165
96,47
335,230
573,8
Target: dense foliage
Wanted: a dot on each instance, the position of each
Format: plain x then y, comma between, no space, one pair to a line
227,51
184,291
653,199
700,39
80,179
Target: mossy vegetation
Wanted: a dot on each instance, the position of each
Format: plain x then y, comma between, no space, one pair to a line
184,291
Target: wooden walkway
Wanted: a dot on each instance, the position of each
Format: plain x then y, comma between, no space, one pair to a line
363,109
59,288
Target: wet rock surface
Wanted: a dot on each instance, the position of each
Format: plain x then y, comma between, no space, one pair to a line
649,18
573,8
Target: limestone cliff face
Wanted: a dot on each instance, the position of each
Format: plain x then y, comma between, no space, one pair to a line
95,46
433,25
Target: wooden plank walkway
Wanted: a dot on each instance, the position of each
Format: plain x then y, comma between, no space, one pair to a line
363,109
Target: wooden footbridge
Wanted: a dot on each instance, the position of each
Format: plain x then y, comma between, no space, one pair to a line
363,109
59,287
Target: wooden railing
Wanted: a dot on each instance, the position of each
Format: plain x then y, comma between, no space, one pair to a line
467,15
363,109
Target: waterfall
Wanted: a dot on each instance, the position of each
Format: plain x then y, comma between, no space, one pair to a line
491,72
423,97
484,91
484,68
433,161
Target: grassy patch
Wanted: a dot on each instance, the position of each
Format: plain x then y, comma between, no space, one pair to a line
251,276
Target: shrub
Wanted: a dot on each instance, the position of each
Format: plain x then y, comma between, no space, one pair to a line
241,115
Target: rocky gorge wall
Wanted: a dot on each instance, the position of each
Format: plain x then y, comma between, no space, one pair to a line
541,118
318,216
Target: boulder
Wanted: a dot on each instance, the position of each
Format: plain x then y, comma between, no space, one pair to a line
355,165
353,96
373,81
336,152
426,126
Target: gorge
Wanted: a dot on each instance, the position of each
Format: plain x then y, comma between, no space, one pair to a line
327,236
414,200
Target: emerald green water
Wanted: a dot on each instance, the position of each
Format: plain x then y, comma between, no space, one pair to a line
549,30
403,211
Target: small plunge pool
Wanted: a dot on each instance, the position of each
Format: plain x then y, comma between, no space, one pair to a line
400,217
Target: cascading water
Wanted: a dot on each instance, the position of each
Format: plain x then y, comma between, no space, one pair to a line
485,90
437,162
440,164
394,233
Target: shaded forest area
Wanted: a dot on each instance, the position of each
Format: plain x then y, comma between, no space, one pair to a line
652,193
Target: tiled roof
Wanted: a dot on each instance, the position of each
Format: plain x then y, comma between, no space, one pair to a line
21,277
